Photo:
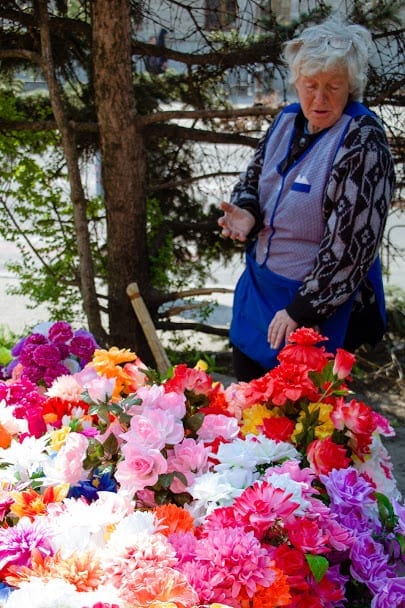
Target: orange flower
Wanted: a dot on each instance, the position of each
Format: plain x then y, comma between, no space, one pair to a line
174,519
108,363
30,503
82,571
278,594
5,437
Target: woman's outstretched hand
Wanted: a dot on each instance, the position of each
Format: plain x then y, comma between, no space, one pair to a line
236,223
280,328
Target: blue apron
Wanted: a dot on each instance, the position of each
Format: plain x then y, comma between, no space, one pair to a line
260,293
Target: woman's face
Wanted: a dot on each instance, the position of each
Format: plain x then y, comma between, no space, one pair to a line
323,97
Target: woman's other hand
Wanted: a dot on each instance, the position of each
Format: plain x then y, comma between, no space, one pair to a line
280,328
236,223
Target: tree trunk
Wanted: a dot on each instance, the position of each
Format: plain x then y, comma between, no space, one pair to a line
86,267
123,170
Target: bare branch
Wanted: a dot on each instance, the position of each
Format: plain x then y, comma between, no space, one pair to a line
201,327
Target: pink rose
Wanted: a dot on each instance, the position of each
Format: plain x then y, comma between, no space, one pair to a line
218,425
140,468
189,458
69,459
165,423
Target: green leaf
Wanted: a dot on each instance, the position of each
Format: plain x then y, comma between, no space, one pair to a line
194,422
165,480
386,511
318,564
5,355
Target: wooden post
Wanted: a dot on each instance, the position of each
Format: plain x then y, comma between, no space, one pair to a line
145,320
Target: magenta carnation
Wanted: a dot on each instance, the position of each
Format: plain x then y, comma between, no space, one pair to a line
60,332
17,543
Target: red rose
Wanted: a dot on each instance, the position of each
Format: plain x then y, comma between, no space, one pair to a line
278,428
343,364
324,455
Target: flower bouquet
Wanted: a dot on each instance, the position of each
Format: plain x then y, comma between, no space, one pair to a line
120,489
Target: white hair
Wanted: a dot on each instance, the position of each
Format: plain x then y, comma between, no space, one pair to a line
331,44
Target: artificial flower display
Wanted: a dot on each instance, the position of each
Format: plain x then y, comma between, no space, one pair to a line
120,489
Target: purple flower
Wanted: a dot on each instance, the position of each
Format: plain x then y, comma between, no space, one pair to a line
54,372
399,511
15,351
347,488
10,367
34,373
60,332
27,353
83,345
391,594
355,520
63,351
17,542
46,355
369,563
35,339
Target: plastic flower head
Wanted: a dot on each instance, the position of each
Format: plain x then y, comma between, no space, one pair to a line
79,527
303,348
369,562
218,425
99,388
190,459
280,479
378,467
67,466
190,379
254,418
109,363
343,363
173,519
156,397
30,503
65,387
253,451
58,593
18,543
22,461
324,455
155,586
391,592
347,489
140,468
131,528
286,382
263,506
53,350
211,490
229,565
154,428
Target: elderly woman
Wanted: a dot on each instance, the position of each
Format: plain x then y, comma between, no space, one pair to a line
313,205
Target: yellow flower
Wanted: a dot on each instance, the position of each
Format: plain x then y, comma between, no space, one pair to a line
252,418
106,360
201,365
58,438
324,426
29,503
108,363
